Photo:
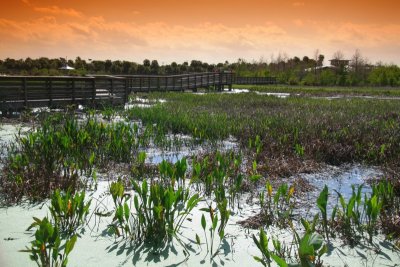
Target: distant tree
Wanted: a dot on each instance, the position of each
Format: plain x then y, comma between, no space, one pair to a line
116,67
309,79
80,63
146,63
327,77
107,66
358,67
99,66
385,75
154,67
316,56
195,66
174,68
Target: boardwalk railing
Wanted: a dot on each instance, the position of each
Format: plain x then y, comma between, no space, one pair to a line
17,92
193,81
255,80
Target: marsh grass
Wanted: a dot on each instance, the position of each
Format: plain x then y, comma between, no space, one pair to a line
220,174
64,152
324,91
334,132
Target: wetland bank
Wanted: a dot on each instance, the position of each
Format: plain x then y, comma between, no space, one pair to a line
204,180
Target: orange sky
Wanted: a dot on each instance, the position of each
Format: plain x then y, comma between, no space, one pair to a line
207,30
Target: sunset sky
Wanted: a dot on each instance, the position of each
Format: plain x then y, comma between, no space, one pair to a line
206,30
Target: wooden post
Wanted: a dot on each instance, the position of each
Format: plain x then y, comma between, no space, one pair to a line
221,88
230,81
126,81
93,91
25,92
111,94
182,83
50,89
73,91
214,83
195,83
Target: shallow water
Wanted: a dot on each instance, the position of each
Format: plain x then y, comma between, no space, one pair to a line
341,178
95,248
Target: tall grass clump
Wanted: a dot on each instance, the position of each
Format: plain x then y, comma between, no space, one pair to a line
64,152
154,211
55,236
219,174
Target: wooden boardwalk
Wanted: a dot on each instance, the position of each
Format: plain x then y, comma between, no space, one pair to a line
255,80
19,92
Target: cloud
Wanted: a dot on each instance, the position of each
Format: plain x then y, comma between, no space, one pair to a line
298,4
298,22
26,2
55,10
95,37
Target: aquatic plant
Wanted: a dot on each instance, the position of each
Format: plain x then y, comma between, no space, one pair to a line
219,172
161,210
215,221
122,223
64,153
69,211
372,207
262,245
349,216
314,129
47,250
322,203
308,249
156,213
277,208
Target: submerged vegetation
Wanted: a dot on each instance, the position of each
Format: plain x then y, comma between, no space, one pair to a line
152,204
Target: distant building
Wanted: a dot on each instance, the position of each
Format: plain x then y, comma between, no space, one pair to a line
335,65
339,62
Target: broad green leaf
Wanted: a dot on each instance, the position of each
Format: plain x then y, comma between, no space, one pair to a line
69,245
322,200
281,262
126,211
203,222
215,222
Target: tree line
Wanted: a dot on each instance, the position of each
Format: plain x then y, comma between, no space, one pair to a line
287,70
